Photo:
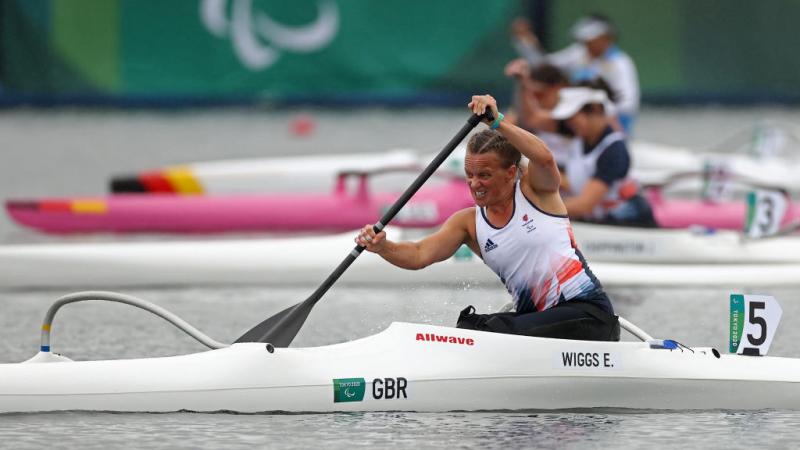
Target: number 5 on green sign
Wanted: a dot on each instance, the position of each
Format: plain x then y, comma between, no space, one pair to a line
754,319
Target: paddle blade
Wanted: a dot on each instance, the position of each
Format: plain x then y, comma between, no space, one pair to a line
280,329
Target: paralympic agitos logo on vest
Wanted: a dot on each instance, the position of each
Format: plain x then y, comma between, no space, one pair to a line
528,223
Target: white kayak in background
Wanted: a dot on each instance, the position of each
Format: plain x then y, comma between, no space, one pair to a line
653,164
274,260
309,173
656,164
619,256
698,245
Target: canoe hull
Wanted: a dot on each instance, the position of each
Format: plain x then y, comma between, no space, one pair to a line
653,163
309,173
618,256
401,369
338,211
166,213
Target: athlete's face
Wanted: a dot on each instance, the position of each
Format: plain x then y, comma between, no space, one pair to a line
597,47
488,181
587,125
579,124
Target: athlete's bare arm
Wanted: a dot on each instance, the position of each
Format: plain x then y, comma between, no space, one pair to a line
592,194
457,230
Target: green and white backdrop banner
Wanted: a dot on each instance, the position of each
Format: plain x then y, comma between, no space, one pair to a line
212,48
386,50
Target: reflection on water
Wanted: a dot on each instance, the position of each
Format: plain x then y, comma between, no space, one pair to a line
646,430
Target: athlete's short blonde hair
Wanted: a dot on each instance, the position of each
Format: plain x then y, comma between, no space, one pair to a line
491,141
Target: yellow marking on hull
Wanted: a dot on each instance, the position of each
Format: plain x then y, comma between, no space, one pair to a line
46,327
183,180
89,207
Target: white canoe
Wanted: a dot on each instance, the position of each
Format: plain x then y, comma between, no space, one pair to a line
309,173
653,164
618,256
656,164
411,367
604,243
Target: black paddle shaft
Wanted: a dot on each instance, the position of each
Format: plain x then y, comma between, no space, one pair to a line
281,329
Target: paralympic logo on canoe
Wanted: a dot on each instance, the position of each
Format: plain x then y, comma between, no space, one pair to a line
348,389
258,40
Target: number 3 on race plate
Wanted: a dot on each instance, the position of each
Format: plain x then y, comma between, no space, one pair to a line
754,319
765,212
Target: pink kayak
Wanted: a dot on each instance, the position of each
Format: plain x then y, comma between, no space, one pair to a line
167,213
719,215
335,212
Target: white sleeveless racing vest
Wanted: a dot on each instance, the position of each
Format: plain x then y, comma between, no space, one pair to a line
535,256
581,167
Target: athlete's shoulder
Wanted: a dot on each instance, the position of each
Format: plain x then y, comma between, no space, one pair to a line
463,218
621,60
614,163
618,144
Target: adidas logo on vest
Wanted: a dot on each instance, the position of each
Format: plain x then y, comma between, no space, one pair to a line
489,246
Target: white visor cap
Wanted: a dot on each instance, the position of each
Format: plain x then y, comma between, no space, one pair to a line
590,28
571,100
